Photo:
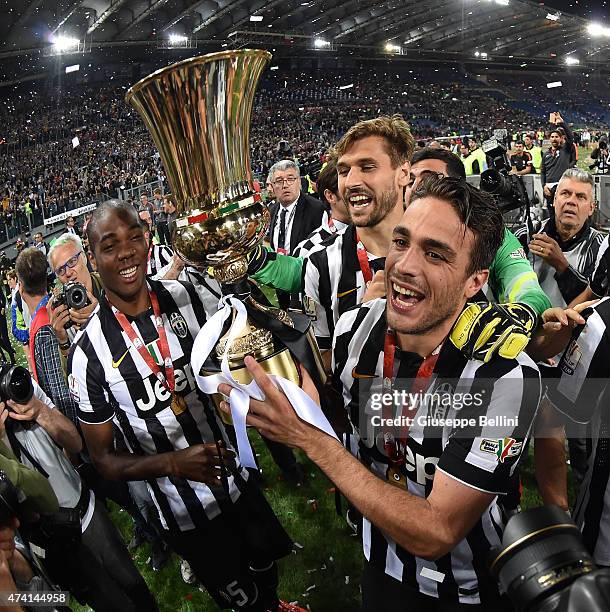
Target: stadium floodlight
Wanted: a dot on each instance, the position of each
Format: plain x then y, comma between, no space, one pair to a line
597,29
572,61
320,43
256,17
552,17
346,86
176,39
64,43
392,48
274,68
476,54
502,2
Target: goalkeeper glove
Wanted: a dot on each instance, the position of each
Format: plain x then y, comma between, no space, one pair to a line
483,329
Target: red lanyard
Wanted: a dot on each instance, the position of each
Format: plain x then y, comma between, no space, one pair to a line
331,226
167,380
420,384
363,259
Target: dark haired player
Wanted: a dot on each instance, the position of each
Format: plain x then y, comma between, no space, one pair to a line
429,527
131,366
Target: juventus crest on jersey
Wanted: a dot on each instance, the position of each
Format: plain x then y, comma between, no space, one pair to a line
109,379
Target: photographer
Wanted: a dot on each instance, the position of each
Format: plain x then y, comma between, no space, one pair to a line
564,251
27,497
68,261
90,559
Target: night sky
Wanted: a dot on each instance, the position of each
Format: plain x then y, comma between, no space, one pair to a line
595,10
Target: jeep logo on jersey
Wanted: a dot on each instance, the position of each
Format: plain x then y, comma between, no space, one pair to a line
157,396
424,467
176,320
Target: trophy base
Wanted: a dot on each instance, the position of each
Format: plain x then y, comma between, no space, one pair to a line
280,363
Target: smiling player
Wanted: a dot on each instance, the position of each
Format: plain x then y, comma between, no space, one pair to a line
429,527
131,367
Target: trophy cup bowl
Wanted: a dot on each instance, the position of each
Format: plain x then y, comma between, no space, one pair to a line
198,113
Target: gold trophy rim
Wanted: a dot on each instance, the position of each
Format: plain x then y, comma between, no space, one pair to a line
191,61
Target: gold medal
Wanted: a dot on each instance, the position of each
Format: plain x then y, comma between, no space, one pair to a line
178,404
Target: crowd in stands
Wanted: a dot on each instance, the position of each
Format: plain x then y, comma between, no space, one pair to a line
43,173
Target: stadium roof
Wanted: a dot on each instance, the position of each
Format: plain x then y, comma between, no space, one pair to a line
508,31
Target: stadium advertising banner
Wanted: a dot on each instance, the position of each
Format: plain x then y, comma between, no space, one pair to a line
70,213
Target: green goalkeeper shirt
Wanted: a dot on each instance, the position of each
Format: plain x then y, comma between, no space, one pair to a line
511,276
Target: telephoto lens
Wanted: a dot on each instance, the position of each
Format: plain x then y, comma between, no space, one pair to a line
15,384
542,554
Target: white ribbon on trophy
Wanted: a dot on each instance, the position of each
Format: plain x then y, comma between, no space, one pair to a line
206,340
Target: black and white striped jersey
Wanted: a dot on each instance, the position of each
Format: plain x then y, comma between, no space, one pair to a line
110,380
482,455
207,288
599,277
581,251
334,281
328,228
581,392
159,256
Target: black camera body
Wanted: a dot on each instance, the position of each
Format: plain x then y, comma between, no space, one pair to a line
509,189
311,166
73,295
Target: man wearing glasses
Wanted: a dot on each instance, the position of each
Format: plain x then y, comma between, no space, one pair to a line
69,263
294,215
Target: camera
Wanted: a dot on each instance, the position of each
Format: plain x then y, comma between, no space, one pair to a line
15,384
311,166
543,565
508,188
73,295
9,499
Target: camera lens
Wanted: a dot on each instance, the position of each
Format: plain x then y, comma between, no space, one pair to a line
494,182
15,384
542,553
76,297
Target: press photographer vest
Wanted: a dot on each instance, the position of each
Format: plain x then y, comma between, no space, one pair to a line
536,153
468,163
